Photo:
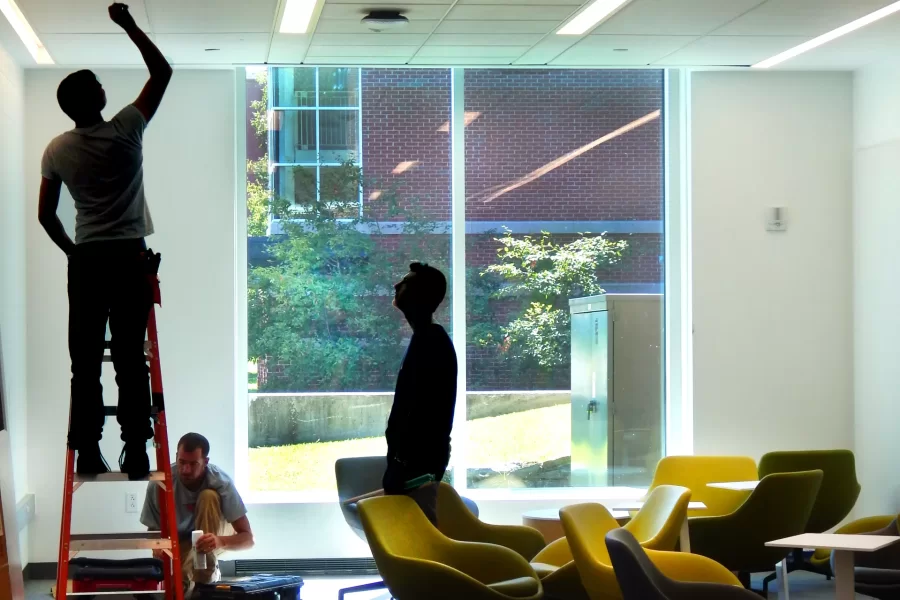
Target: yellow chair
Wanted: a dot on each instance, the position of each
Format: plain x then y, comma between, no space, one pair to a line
418,561
656,526
457,522
586,526
822,557
695,472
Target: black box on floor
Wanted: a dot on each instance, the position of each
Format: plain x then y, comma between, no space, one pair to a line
252,587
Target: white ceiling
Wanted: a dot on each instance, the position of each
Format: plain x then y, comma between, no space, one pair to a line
470,32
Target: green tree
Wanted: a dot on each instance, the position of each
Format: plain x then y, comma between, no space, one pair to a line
540,275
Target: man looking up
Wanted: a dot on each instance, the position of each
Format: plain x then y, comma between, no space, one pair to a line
101,163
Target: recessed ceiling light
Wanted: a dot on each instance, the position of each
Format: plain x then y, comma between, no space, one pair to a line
591,16
379,20
297,15
25,32
827,37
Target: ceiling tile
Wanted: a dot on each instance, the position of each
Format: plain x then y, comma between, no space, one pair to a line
357,60
465,52
547,12
497,27
876,42
800,17
674,17
79,49
460,62
354,26
78,16
384,39
515,4
462,39
234,48
211,16
733,50
602,50
413,12
375,51
288,48
548,49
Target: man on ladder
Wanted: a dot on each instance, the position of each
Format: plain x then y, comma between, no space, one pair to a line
101,163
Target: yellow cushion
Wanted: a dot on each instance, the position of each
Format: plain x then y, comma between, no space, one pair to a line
543,569
521,587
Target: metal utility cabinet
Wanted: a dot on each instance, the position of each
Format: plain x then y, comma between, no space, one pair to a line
617,389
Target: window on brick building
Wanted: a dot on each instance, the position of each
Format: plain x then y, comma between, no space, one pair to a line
561,328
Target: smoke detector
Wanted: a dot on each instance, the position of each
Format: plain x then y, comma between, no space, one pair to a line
380,20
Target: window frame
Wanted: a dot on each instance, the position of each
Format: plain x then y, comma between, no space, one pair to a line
678,400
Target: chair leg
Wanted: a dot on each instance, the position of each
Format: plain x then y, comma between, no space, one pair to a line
367,587
769,579
744,578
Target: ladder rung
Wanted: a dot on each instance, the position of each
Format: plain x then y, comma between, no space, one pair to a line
116,593
117,476
149,540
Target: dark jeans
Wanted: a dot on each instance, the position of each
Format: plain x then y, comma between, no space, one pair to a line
108,282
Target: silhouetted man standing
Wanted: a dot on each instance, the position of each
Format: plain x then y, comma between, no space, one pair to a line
418,432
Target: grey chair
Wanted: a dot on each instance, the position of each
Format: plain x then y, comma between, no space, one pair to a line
877,574
357,476
640,579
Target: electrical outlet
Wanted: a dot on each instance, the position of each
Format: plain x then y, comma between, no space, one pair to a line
131,503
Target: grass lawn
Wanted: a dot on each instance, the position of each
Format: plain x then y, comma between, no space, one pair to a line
526,437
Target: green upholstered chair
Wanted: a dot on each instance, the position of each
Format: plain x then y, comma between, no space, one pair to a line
836,498
779,507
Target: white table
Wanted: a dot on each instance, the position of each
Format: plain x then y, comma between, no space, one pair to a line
548,523
738,486
685,536
844,546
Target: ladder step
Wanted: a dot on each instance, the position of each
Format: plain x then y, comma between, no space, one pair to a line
117,476
117,593
149,540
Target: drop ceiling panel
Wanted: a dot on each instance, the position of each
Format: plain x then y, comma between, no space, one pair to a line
190,49
374,53
546,12
413,12
288,48
464,53
548,49
602,50
497,27
354,26
77,16
800,17
875,43
355,61
674,17
77,49
438,61
500,39
384,39
514,4
211,16
730,50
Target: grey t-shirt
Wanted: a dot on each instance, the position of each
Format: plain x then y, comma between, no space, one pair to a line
232,506
102,166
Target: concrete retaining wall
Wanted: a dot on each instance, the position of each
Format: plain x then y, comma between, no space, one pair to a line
283,419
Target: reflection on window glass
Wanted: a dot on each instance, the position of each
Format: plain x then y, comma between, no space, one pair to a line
557,397
294,86
324,341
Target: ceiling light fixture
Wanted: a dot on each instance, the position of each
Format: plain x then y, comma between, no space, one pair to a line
827,37
18,21
591,16
297,15
379,20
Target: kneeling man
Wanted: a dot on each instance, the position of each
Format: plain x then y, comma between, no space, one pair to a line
205,499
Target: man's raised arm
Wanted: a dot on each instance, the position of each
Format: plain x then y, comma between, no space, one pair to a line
160,70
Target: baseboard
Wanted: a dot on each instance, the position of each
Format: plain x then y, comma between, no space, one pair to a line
309,567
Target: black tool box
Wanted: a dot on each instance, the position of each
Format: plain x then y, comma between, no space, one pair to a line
252,587
99,575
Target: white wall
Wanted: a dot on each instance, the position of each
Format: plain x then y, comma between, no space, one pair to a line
190,175
876,245
12,291
772,311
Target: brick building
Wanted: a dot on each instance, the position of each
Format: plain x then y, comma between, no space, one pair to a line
561,151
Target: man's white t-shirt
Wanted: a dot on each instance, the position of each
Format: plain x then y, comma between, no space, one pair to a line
102,166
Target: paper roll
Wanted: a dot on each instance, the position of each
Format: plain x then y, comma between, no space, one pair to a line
199,557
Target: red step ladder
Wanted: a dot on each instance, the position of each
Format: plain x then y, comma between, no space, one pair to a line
166,539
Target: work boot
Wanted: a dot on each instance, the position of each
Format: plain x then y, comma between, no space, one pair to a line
134,460
90,461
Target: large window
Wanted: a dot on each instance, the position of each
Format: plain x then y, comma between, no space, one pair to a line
560,329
